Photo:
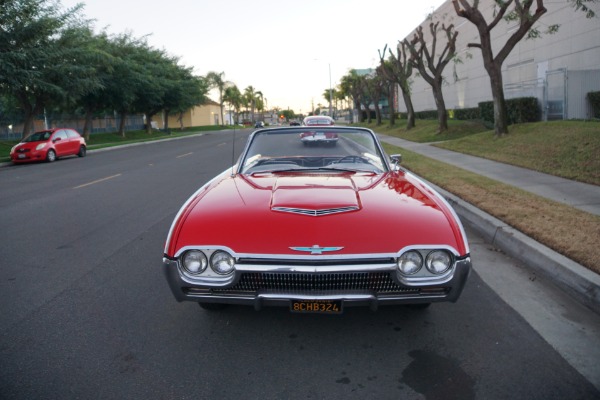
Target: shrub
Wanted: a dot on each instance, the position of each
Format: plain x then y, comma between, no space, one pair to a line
519,110
594,99
464,114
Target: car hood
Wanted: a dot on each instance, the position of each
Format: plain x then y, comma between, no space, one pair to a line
361,213
29,145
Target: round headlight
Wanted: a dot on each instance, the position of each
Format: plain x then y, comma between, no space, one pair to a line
194,261
410,262
438,262
222,263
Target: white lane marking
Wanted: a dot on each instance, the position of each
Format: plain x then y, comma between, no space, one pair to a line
185,155
96,181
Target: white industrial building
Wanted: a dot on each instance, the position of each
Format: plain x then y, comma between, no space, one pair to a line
559,69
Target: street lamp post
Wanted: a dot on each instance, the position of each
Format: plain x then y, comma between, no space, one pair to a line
330,94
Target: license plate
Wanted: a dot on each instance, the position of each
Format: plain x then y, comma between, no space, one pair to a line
21,156
316,306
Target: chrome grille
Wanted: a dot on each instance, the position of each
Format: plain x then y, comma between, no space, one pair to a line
302,283
315,213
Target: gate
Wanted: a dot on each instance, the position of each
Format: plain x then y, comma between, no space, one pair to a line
555,95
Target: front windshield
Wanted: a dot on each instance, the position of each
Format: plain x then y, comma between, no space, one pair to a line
38,137
313,149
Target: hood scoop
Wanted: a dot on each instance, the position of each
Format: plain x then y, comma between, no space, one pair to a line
319,196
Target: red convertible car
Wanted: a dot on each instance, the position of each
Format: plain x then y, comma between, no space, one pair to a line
318,135
316,229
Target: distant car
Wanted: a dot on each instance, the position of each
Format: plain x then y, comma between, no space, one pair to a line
318,136
318,120
48,145
316,230
259,124
294,123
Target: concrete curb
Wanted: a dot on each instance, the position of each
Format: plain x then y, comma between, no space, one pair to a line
569,276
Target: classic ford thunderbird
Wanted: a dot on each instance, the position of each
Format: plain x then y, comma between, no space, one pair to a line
316,229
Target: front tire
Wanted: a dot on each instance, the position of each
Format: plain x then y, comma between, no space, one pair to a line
51,156
82,151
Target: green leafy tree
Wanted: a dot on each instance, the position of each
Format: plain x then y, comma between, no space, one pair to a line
184,91
95,100
288,114
40,46
157,75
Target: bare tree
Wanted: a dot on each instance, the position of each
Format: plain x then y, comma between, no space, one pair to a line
399,69
431,64
388,86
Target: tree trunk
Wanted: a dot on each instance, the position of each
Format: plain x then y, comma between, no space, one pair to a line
410,110
377,114
149,123
87,126
27,124
358,109
391,106
30,112
166,117
180,119
122,124
500,113
441,106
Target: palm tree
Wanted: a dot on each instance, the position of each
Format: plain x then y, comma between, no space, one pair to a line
251,97
217,81
233,96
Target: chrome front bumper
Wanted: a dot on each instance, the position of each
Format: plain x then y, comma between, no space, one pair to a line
236,293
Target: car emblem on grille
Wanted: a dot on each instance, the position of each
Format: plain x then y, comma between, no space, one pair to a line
316,249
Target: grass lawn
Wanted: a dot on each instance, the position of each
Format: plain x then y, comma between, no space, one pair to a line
570,149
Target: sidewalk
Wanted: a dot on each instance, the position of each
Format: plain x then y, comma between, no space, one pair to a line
568,275
582,196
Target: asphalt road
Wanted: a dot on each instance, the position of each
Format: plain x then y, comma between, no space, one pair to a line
85,312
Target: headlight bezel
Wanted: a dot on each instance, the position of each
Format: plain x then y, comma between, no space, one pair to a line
435,257
416,258
217,258
206,274
202,260
429,270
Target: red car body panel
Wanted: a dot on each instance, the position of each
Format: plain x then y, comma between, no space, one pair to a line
394,210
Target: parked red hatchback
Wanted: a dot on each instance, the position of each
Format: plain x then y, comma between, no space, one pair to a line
49,145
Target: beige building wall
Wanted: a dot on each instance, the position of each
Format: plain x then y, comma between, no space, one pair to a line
204,115
536,67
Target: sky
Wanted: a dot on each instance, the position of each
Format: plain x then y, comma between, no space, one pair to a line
290,51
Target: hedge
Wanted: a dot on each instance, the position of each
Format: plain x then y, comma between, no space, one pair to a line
520,110
594,99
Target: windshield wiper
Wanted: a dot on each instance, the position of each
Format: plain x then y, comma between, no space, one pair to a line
345,169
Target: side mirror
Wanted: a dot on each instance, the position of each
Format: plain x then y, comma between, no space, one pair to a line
56,139
396,159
